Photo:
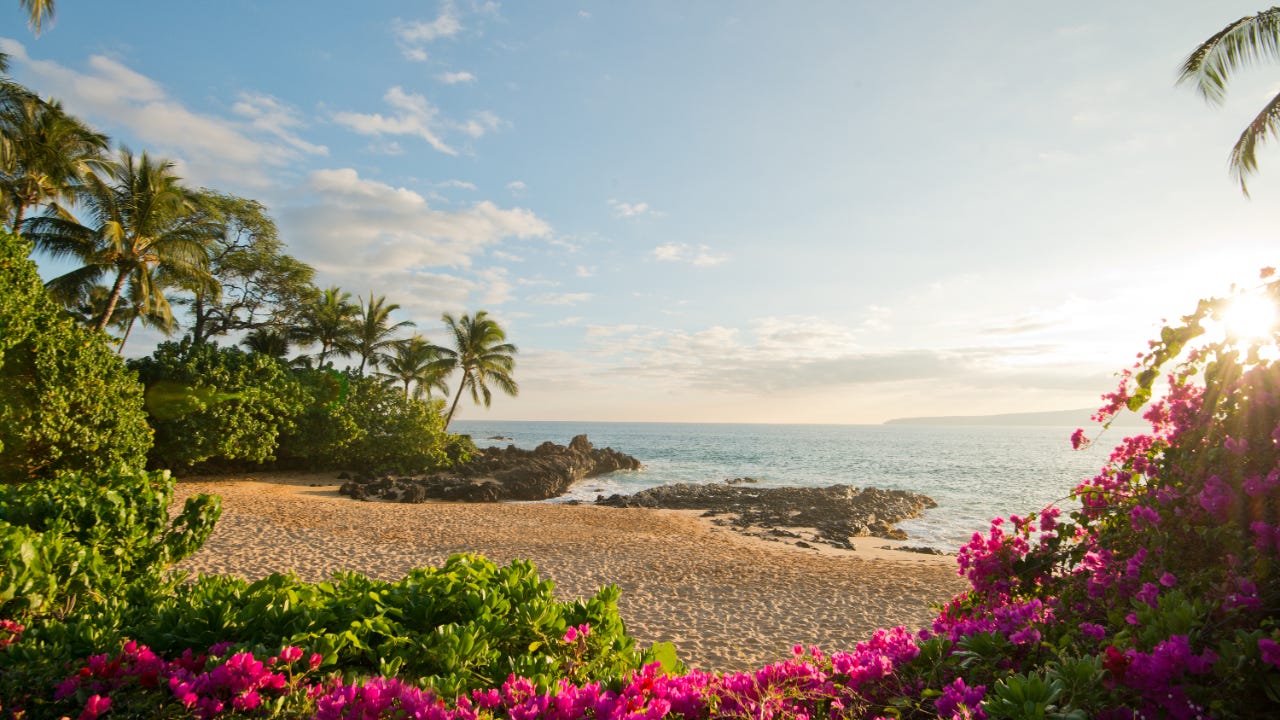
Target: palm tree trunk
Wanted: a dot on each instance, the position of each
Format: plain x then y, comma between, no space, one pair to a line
462,383
18,214
406,389
111,303
128,329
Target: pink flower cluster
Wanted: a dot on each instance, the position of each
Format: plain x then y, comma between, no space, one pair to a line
206,685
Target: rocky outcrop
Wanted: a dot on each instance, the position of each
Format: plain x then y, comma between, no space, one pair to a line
830,515
496,474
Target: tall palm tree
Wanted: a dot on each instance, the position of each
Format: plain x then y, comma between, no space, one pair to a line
330,322
1211,65
483,356
144,229
374,330
46,156
413,361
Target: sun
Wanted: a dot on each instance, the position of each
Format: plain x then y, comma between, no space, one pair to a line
1250,317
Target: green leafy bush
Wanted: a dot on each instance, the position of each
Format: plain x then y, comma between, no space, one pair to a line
208,403
467,625
76,540
358,421
66,400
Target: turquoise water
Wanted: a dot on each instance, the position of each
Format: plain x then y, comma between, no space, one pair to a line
974,473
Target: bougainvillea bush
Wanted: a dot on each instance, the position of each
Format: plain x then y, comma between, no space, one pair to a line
1153,595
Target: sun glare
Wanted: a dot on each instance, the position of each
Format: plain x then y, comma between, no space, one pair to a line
1250,317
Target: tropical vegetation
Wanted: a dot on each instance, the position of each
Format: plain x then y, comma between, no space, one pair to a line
1154,592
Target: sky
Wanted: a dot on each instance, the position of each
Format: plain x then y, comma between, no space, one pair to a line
817,212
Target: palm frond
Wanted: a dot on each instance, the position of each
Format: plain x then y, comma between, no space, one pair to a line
1244,157
1242,43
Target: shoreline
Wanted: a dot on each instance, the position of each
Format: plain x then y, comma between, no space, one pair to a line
727,601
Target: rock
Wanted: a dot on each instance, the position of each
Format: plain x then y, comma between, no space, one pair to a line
837,513
499,474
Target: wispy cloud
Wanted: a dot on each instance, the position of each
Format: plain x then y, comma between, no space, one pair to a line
268,114
414,115
626,209
701,255
583,271
460,184
454,78
210,149
415,35
560,298
516,186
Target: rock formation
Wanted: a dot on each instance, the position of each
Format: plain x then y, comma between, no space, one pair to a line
495,474
830,515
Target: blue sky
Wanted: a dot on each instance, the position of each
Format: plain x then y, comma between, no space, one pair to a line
835,212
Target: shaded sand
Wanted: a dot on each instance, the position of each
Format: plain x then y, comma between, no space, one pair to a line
726,601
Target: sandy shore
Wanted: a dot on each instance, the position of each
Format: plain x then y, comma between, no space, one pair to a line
727,602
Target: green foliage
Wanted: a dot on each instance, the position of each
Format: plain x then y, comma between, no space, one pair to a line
208,403
66,400
81,539
464,626
359,421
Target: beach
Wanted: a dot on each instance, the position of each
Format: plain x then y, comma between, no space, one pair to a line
726,601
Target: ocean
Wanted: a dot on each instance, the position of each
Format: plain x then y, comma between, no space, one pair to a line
974,473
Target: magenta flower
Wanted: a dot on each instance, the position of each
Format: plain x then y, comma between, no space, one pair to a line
1270,651
95,706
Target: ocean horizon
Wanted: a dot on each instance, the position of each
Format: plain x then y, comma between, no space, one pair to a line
974,473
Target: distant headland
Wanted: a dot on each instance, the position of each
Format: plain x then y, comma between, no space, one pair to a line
1055,418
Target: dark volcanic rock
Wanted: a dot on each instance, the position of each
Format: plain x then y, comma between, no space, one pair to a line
499,474
834,514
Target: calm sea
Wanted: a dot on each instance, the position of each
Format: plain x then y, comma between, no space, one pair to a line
974,473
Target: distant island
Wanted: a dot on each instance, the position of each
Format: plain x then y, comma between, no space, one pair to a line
1055,418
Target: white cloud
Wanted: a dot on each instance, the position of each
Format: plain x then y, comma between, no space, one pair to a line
454,78
701,255
416,116
506,256
560,298
414,35
359,222
624,209
211,150
460,184
583,271
272,116
516,186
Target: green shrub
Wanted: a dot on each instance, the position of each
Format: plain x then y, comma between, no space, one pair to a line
355,421
212,404
66,400
464,626
78,539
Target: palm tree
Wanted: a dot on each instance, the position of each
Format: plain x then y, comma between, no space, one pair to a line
329,321
129,311
145,229
1243,42
482,354
267,341
46,155
413,361
374,329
